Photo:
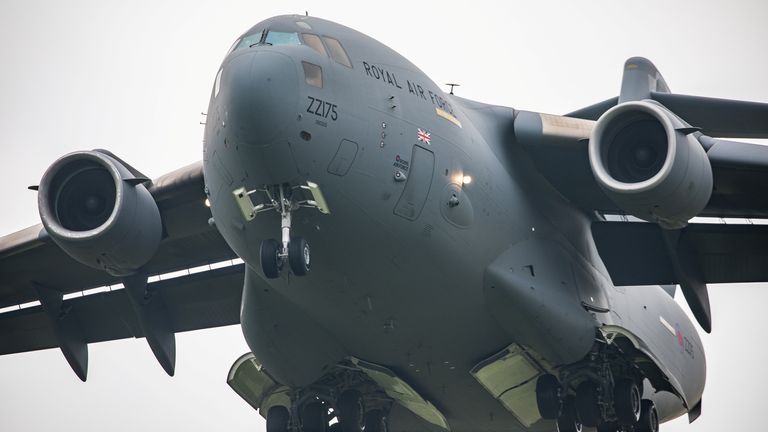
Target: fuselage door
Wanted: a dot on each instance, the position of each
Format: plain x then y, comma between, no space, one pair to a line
418,182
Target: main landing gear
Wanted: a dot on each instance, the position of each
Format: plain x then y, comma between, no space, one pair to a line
285,200
610,405
346,414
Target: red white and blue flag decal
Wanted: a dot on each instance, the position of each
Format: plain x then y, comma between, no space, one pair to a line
424,136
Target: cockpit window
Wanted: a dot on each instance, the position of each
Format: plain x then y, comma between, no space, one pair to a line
282,38
313,42
313,74
217,83
250,40
266,37
233,47
337,51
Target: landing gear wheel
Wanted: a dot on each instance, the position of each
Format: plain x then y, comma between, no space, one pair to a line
649,418
313,417
277,419
271,264
548,396
351,410
626,401
375,421
298,256
586,404
568,421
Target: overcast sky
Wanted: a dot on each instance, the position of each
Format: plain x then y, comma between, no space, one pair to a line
133,77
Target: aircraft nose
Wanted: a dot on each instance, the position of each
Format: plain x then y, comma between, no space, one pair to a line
263,95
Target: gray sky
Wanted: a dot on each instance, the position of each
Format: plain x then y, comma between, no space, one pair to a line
134,76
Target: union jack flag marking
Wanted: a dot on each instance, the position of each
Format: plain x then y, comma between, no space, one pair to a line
424,136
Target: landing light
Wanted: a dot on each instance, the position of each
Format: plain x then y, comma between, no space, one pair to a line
207,202
466,180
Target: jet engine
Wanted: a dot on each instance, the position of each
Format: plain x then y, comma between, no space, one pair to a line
650,164
99,212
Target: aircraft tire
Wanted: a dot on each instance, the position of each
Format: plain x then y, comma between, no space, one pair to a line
351,410
277,419
586,404
568,420
298,256
626,401
548,396
649,417
271,264
375,421
313,417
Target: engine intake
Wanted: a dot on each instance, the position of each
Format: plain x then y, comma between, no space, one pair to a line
99,213
646,161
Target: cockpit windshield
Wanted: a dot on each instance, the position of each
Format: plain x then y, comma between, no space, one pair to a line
267,37
281,38
250,40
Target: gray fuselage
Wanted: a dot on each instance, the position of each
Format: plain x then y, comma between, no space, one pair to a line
399,276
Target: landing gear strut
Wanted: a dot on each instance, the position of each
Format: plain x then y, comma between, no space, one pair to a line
587,404
284,199
295,250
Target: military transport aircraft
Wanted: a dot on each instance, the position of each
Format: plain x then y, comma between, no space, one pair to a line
411,260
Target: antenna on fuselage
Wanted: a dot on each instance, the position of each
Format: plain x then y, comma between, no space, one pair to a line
452,86
306,13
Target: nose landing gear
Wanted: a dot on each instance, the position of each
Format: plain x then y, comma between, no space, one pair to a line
285,200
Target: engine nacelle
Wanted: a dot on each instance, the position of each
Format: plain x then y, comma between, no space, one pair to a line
649,164
99,213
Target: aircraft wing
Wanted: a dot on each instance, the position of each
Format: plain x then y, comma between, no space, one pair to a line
637,253
197,301
739,169
193,281
661,157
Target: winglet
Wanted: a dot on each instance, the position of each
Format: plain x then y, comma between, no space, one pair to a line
640,79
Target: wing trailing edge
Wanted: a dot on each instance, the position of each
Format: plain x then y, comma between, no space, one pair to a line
639,253
197,301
